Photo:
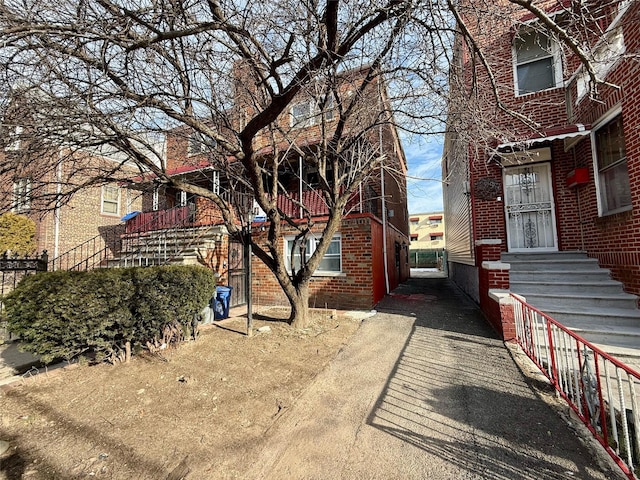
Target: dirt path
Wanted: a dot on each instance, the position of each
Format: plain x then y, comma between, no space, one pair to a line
425,390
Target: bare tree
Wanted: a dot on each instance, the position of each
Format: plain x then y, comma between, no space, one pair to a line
109,76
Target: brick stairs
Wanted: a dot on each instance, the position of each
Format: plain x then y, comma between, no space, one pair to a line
572,289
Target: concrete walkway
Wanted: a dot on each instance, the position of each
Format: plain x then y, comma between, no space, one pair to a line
424,391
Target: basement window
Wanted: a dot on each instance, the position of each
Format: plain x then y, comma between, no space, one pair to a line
331,262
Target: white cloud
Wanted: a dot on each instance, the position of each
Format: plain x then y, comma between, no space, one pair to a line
424,186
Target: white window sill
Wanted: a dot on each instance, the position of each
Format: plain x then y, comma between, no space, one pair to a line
327,274
522,95
618,210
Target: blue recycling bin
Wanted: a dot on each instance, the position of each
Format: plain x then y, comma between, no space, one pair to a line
221,303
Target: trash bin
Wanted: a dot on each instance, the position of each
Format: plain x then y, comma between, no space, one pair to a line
223,297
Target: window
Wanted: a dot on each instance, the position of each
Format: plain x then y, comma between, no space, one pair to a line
436,238
110,200
21,194
611,159
435,221
308,112
331,262
609,50
156,200
14,143
535,62
414,237
199,143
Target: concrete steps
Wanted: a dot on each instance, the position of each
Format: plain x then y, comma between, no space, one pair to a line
575,291
175,247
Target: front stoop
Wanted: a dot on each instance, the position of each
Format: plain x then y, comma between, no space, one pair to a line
572,289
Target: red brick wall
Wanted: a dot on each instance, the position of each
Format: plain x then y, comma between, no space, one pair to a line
361,267
613,239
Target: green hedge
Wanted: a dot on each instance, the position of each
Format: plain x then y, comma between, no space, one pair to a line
64,314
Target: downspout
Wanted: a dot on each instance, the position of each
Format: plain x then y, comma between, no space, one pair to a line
56,212
300,183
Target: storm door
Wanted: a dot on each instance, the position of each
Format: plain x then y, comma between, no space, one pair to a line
529,208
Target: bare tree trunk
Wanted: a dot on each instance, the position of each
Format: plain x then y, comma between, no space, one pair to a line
127,350
300,317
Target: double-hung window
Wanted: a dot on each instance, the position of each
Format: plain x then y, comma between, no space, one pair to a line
310,111
21,194
110,200
330,263
611,162
535,62
199,143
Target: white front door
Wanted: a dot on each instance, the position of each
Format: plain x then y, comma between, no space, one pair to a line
529,208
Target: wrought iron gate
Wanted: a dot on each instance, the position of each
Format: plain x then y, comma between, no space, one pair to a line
237,273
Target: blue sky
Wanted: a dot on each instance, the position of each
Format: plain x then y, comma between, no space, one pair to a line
424,187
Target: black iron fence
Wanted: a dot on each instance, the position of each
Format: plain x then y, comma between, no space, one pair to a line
13,269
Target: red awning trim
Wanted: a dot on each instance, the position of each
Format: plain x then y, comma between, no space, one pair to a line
435,217
436,234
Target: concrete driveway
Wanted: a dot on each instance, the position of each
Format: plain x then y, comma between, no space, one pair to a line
425,390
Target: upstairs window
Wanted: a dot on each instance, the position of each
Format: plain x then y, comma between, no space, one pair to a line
21,195
110,200
611,160
309,112
15,139
536,62
199,143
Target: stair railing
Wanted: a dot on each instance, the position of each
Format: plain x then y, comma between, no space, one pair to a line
602,391
91,253
146,247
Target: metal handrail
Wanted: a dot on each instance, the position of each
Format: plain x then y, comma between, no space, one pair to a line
601,390
90,253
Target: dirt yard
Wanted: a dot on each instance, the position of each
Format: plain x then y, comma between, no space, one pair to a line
196,412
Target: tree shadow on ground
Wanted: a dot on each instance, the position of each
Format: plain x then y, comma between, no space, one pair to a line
455,393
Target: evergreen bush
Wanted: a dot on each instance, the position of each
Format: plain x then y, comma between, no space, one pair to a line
106,311
17,234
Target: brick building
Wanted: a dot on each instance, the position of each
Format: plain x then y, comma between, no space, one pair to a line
64,192
368,255
567,178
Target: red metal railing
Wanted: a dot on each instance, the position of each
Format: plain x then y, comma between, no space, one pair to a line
159,220
600,389
314,203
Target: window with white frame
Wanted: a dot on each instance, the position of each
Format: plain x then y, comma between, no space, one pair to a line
608,51
309,112
330,263
199,143
536,62
155,202
611,162
21,195
14,143
110,200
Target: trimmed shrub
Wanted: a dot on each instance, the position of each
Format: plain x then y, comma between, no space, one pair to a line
64,314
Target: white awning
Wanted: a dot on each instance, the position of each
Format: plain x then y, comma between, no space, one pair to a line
573,137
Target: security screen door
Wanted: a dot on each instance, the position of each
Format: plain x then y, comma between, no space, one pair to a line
529,208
